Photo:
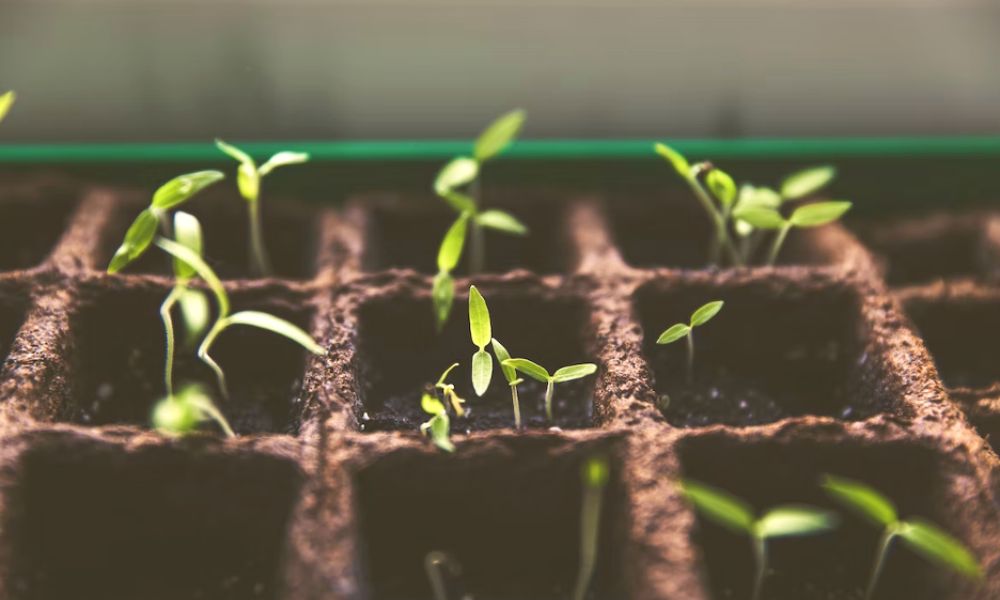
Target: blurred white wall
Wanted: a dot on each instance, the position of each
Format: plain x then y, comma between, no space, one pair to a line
162,70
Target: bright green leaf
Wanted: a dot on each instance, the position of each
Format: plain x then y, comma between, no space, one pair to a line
201,267
462,203
6,101
443,295
137,239
440,426
450,251
758,197
807,182
187,232
501,221
283,159
529,368
722,186
431,404
795,520
719,506
234,152
248,181
457,173
674,333
444,376
705,312
262,320
819,213
194,312
760,217
572,372
171,416
479,319
675,158
939,546
181,188
498,135
509,373
862,499
482,371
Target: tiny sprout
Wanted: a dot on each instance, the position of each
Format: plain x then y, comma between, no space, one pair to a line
538,373
180,414
439,565
510,374
594,475
807,215
448,390
686,330
479,326
807,182
6,101
438,427
928,540
248,178
736,515
461,172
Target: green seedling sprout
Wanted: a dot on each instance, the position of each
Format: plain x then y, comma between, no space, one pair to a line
805,216
923,537
170,195
438,427
224,320
686,330
248,180
181,413
510,374
538,373
6,102
482,333
736,515
440,566
457,175
594,474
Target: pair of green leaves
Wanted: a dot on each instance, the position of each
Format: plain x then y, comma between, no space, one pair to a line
248,175
482,333
539,373
438,427
702,315
182,413
6,102
170,195
807,215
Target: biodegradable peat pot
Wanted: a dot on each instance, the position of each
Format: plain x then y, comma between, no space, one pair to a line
330,492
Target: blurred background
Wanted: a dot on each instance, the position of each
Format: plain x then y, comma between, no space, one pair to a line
157,70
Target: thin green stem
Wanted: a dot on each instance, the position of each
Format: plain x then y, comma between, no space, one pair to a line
260,263
721,240
517,406
778,241
882,552
203,350
209,408
690,356
760,557
549,390
477,241
590,521
168,329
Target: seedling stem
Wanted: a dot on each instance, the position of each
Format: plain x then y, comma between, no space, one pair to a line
510,374
594,474
538,373
686,330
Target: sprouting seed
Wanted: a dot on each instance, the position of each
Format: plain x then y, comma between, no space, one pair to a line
594,475
482,333
805,216
923,537
510,374
686,330
736,515
456,176
248,180
182,413
6,102
438,427
538,373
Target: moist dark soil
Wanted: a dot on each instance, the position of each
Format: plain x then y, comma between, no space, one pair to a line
30,227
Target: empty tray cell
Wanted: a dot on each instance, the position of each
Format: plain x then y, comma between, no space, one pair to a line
92,521
941,245
31,225
407,233
673,232
962,334
401,354
836,564
510,519
117,353
779,348
290,237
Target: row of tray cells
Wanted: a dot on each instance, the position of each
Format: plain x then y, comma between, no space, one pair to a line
87,519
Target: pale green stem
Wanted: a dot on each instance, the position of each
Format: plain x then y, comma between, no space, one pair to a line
760,558
477,240
260,263
517,406
549,389
690,362
721,240
590,521
882,552
434,563
217,416
168,329
206,346
778,241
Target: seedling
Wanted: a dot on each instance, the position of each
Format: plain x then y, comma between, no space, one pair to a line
463,173
736,515
594,474
805,216
438,427
248,179
538,373
923,537
441,566
482,333
6,102
180,414
510,374
686,330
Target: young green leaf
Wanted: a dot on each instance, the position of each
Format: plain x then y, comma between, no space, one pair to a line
462,203
6,101
181,413
529,368
818,213
195,312
509,373
479,319
498,135
443,296
501,221
758,197
482,371
939,546
440,426
181,188
722,186
201,267
235,153
675,158
450,251
807,182
795,520
674,333
458,172
283,159
761,217
572,372
721,507
705,313
862,499
187,232
262,320
444,375
431,405
137,239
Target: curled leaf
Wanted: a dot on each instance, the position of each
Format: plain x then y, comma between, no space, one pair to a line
675,158
722,186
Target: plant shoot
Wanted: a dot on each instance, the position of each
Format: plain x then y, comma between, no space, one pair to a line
805,216
538,373
182,413
6,102
686,330
510,374
248,180
482,333
438,427
594,475
921,536
440,568
736,515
